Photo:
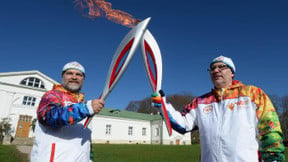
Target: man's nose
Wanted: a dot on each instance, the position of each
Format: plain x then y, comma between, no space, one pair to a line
74,76
216,70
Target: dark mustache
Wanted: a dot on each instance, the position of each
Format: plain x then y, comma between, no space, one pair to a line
73,81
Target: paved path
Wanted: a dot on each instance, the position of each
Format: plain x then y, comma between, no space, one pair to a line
24,149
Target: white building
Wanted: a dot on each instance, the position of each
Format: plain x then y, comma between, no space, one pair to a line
120,126
21,92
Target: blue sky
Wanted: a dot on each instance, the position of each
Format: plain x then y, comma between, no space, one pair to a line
45,34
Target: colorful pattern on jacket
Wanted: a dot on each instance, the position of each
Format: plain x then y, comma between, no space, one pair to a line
226,116
60,107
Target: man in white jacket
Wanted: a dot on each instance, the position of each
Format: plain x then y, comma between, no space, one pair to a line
237,122
59,132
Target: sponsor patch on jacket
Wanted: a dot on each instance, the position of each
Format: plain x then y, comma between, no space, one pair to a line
240,105
207,109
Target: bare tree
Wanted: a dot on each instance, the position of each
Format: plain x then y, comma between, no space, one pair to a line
179,101
277,103
133,106
285,103
145,106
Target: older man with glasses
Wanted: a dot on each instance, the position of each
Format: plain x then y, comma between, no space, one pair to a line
237,122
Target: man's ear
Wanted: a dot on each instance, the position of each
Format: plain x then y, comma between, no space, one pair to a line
62,74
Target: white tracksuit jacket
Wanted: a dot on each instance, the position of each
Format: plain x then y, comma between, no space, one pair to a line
59,133
234,124
67,144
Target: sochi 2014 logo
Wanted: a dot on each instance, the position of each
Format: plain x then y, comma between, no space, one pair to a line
231,106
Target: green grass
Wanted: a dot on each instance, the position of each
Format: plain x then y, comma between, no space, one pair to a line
9,153
148,153
124,153
145,153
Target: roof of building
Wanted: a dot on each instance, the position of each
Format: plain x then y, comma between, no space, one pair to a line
128,114
14,79
28,73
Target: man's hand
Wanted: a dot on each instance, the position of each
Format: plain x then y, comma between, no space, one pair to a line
97,105
156,100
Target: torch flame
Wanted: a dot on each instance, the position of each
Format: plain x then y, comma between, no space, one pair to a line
97,8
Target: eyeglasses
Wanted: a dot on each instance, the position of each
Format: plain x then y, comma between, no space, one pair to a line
220,67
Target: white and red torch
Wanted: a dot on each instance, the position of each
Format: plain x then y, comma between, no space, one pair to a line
138,34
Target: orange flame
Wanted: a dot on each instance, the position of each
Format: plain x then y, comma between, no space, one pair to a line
97,8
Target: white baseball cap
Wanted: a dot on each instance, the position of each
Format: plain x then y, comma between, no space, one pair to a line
73,65
226,60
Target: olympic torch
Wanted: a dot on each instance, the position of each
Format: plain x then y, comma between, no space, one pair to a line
122,58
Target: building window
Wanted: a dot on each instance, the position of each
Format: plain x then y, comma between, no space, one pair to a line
143,131
108,129
130,131
29,101
157,132
25,118
33,82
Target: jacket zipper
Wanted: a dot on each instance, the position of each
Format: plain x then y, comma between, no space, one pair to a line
218,158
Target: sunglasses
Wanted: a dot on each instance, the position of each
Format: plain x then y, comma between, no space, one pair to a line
220,67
